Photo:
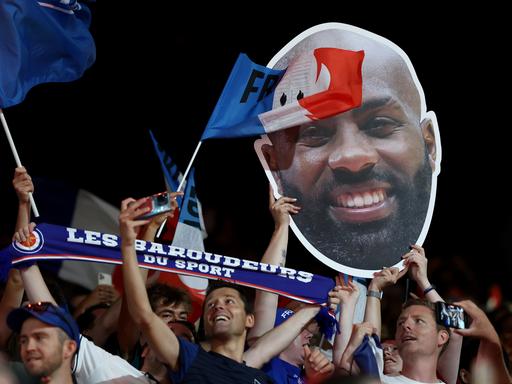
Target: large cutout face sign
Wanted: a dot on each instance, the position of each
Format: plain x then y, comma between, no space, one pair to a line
365,178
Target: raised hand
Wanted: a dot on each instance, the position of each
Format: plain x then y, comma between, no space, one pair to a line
282,208
385,278
343,295
317,365
416,262
129,227
23,185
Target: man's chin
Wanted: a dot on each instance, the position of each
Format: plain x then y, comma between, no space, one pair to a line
368,246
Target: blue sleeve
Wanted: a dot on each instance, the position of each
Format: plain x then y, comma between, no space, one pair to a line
188,353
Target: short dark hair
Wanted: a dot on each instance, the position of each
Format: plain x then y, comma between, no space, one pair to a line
163,294
432,307
246,294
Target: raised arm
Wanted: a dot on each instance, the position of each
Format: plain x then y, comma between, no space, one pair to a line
346,297
33,281
127,331
22,183
160,338
11,299
448,364
381,280
416,261
347,364
489,365
265,303
277,340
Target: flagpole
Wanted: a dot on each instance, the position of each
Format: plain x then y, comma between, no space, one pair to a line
182,182
189,166
17,159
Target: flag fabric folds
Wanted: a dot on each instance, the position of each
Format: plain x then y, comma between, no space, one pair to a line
257,100
318,84
248,92
40,42
52,242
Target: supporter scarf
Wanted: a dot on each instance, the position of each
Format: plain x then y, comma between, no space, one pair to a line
53,242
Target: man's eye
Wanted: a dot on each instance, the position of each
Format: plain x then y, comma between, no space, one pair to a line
380,126
315,136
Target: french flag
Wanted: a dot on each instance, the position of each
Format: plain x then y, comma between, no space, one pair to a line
257,100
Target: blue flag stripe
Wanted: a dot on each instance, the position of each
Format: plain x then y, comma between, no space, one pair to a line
248,92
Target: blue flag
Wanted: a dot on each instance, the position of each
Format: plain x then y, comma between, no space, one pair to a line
248,92
189,213
42,42
171,172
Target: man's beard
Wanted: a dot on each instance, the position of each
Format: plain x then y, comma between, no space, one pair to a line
49,366
371,245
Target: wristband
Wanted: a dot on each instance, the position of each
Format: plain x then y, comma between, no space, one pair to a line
376,294
430,288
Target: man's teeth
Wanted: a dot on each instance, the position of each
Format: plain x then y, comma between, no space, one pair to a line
217,318
361,199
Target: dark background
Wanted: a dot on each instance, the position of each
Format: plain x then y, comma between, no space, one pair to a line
163,69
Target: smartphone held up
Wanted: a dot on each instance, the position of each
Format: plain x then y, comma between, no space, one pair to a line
451,315
157,204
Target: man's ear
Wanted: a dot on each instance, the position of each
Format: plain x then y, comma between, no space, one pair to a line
269,152
69,348
249,320
429,136
443,336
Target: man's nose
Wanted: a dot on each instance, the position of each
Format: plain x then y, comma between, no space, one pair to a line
30,344
354,152
407,324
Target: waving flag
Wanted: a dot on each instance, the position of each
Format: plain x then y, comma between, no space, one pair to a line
258,100
40,42
172,175
185,229
248,92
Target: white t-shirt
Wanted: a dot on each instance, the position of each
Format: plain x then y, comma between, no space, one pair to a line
402,380
94,365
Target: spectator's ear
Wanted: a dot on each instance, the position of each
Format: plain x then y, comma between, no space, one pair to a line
249,320
69,348
442,337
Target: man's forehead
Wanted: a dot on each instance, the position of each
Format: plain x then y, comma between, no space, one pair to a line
384,68
224,291
171,306
417,310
